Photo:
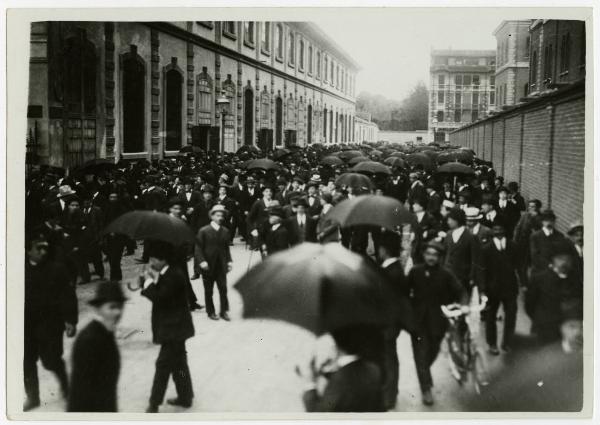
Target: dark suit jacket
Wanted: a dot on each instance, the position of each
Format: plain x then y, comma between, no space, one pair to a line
434,204
416,192
327,229
257,215
94,223
500,271
95,371
541,248
155,199
310,229
316,208
396,190
431,288
195,199
395,277
199,217
511,215
276,240
356,387
461,256
171,317
213,247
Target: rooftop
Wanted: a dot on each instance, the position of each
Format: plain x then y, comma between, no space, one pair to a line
470,53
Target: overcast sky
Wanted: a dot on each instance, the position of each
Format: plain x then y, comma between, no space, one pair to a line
393,48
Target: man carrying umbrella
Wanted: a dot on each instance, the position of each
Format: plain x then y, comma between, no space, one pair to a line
214,258
302,227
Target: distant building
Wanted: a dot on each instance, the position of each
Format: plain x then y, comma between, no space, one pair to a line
365,130
557,53
418,137
462,89
512,61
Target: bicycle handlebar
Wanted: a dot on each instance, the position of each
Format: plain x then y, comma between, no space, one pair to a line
456,310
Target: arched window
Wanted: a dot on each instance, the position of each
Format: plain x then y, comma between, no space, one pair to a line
318,64
325,124
265,108
248,116
310,59
249,33
265,40
279,40
290,114
309,128
229,90
301,121
278,121
301,53
326,67
133,101
205,96
173,105
291,49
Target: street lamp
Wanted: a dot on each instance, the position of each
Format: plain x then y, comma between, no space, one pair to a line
223,103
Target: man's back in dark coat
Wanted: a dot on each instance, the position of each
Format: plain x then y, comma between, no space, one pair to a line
542,246
310,230
276,240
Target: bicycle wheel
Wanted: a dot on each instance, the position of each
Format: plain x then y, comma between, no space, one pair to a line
479,371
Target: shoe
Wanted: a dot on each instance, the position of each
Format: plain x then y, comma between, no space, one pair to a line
178,402
427,398
213,316
152,409
493,350
225,316
195,276
30,403
505,348
196,306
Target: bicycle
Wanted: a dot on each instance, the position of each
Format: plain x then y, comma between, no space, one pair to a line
466,359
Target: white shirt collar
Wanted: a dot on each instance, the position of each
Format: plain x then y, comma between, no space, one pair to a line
215,226
420,215
476,229
164,269
457,233
346,359
386,263
491,215
547,232
500,243
301,218
579,250
275,226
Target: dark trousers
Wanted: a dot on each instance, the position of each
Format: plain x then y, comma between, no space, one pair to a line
425,350
242,226
114,252
189,290
131,245
172,361
49,350
209,279
94,256
391,370
510,319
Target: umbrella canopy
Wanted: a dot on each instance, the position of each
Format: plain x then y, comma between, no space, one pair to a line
318,287
152,225
374,210
394,161
375,152
421,159
262,164
346,155
97,164
357,159
281,153
455,168
354,180
371,167
248,149
459,155
190,149
398,154
332,160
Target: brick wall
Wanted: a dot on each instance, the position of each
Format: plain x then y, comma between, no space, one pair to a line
540,145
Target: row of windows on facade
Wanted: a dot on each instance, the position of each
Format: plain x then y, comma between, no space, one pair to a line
445,60
465,80
548,60
503,47
460,115
466,99
297,48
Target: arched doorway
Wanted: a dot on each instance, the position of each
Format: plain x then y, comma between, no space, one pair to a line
173,110
248,116
278,121
133,102
309,124
79,81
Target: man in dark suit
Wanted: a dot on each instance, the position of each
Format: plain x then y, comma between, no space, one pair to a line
416,189
301,227
229,203
258,215
190,197
460,248
426,228
314,203
282,191
95,358
434,203
431,286
488,209
508,211
247,196
172,325
354,381
482,235
500,285
575,234
94,223
214,258
50,310
389,253
527,224
396,187
154,198
483,190
543,242
275,237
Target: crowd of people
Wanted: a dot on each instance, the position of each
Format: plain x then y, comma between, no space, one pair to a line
471,230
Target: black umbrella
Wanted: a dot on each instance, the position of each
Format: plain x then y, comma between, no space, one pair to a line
374,210
318,287
248,149
191,149
152,225
421,159
394,161
262,164
371,167
455,168
358,159
354,180
346,155
332,160
281,153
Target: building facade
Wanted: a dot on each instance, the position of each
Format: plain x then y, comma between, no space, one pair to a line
365,130
512,62
145,90
416,137
557,53
462,89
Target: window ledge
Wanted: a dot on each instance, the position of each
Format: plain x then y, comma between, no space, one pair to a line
279,59
249,44
206,24
265,51
230,35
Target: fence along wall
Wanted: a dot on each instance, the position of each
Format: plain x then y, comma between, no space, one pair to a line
540,145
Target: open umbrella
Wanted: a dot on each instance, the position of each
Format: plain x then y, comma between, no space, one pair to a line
97,165
457,155
357,159
371,167
421,159
455,168
354,180
152,225
374,210
248,149
394,161
262,164
375,152
318,287
346,155
398,154
191,149
332,160
281,153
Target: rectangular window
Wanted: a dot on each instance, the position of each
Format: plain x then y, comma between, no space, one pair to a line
467,80
457,115
326,67
492,97
207,24
318,64
249,34
440,116
229,29
310,59
565,52
279,41
475,98
441,80
457,99
474,116
475,80
492,80
265,40
291,48
458,80
440,97
301,54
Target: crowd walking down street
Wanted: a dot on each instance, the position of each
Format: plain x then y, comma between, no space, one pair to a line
342,273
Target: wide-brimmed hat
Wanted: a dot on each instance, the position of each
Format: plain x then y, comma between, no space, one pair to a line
218,208
108,292
473,213
64,191
574,227
301,200
275,210
175,201
435,245
547,215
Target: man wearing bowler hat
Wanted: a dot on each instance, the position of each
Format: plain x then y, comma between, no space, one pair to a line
214,258
543,242
301,226
96,360
275,237
461,249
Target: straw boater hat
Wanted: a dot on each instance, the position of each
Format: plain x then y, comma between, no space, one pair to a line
64,191
448,204
473,213
218,208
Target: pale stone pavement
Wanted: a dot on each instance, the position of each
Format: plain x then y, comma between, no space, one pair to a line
242,365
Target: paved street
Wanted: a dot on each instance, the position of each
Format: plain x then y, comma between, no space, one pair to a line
237,366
